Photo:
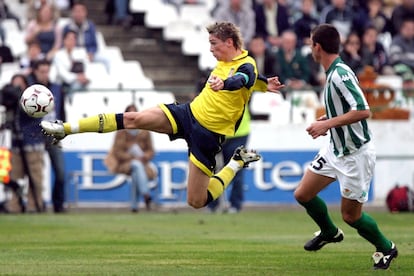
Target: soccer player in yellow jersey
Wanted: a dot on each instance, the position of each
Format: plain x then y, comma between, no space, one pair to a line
203,123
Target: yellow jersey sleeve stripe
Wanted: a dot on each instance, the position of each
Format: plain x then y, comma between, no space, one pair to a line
170,118
200,165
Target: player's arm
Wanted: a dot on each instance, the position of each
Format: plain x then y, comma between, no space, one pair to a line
244,77
358,108
264,84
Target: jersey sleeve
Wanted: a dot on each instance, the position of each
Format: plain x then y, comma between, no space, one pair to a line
244,76
347,86
261,84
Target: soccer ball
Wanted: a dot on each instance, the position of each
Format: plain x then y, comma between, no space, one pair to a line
37,101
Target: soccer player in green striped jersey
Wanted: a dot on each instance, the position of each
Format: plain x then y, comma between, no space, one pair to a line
348,158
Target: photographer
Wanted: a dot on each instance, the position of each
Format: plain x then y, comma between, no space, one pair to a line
28,148
40,75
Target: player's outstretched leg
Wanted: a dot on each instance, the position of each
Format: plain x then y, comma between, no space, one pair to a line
241,154
100,123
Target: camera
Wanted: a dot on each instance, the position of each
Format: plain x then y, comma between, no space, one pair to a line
9,98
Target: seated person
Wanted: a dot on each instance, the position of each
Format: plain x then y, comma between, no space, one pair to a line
131,154
70,63
84,28
339,14
401,53
374,52
33,54
351,53
272,19
305,23
265,60
240,13
291,66
46,31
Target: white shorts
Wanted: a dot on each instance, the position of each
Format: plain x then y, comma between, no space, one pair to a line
353,172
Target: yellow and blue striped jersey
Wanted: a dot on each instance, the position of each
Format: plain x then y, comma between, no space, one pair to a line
221,111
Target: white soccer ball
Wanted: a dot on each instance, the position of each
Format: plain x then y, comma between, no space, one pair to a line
37,101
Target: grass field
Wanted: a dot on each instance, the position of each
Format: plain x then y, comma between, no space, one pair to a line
253,242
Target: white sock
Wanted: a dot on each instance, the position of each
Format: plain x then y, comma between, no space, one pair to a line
234,165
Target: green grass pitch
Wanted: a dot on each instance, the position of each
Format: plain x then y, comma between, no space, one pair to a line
253,242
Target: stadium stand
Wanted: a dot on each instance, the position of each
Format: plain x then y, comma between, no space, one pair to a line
166,51
135,78
161,16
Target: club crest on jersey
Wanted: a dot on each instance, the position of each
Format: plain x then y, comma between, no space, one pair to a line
231,73
345,78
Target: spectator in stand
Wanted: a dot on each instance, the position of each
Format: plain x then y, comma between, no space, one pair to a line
339,14
240,13
131,153
291,66
33,54
401,53
40,74
28,149
6,54
118,12
373,16
272,19
400,12
265,60
46,31
305,23
351,53
84,28
70,64
374,52
321,4
5,13
34,6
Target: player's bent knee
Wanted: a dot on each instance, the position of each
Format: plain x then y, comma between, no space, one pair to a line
300,197
196,203
350,218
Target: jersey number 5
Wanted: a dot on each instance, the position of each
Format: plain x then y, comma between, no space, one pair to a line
318,163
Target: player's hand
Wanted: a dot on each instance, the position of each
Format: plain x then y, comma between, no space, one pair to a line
274,85
317,129
215,83
322,118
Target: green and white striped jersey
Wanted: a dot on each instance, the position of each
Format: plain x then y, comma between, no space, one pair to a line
342,93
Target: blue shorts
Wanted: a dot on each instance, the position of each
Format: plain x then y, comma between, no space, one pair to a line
203,144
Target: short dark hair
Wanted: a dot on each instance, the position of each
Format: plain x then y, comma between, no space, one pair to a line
41,62
69,31
225,30
328,37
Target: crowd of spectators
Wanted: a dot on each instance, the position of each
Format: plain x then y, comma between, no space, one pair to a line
378,34
375,33
44,34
